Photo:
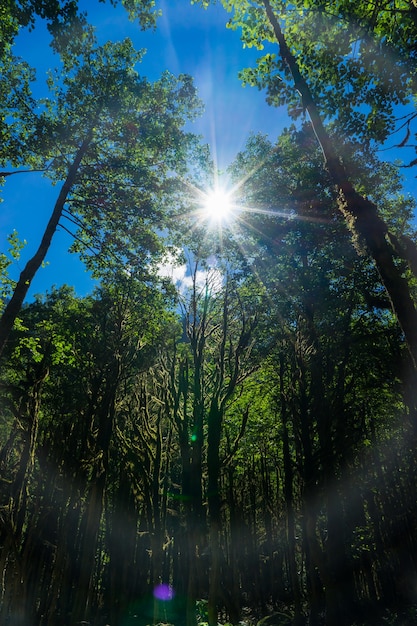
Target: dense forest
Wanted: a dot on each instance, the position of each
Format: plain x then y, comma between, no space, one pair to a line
224,430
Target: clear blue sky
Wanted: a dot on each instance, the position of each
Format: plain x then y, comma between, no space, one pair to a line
188,40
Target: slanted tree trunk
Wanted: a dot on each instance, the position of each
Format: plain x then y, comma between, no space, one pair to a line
25,279
361,214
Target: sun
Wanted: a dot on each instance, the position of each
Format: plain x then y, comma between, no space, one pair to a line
217,205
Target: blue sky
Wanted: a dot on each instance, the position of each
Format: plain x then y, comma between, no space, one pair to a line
187,40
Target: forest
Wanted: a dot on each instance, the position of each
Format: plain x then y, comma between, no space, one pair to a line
224,430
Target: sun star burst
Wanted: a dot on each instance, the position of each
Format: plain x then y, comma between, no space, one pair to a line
217,205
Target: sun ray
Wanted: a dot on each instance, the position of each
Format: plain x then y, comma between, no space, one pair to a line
217,205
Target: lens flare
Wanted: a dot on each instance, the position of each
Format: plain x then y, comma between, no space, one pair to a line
163,592
217,205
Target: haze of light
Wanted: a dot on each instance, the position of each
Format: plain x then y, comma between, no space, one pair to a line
217,205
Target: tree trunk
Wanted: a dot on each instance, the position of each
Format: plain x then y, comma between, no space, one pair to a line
94,511
214,505
81,608
16,543
289,501
59,593
310,496
361,214
25,279
235,551
288,495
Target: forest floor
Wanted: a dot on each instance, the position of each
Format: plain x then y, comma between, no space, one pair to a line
400,617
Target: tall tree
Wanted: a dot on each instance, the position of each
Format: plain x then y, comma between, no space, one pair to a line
323,297
261,21
89,355
206,371
107,133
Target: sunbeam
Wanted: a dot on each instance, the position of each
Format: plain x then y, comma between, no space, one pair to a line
218,205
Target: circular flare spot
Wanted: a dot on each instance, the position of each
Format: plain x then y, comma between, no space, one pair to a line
163,592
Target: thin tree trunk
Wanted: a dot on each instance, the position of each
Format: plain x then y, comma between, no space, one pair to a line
214,506
13,548
289,501
360,213
157,535
288,495
95,505
58,592
236,541
25,279
312,548
81,607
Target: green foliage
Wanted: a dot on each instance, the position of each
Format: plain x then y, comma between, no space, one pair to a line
6,260
295,343
136,141
357,68
64,20
273,388
17,113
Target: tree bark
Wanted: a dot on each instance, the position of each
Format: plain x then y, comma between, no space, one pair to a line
12,553
289,501
214,506
25,279
95,504
361,214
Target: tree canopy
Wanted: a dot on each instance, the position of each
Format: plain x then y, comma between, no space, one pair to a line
224,429
65,20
